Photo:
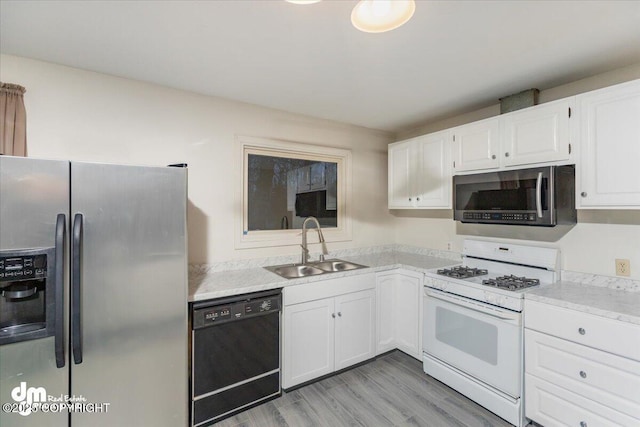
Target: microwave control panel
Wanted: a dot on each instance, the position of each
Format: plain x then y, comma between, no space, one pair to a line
499,216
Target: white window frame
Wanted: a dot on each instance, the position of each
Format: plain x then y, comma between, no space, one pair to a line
246,145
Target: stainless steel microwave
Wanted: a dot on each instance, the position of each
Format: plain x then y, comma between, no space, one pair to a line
543,196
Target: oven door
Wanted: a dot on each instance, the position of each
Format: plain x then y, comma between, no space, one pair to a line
481,340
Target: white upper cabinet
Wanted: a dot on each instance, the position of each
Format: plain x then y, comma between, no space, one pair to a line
400,169
420,172
607,173
317,179
304,179
477,145
537,135
534,135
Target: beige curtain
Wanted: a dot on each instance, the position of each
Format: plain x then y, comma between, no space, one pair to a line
13,120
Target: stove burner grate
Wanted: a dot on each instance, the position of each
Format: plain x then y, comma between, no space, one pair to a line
462,272
511,282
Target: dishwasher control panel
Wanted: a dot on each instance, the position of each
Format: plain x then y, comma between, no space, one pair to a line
215,314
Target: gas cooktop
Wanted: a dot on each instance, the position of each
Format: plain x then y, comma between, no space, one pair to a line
462,272
511,282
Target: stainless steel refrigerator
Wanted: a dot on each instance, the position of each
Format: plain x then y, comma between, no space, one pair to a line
93,304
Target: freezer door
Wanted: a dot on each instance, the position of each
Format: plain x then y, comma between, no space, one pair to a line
130,230
32,193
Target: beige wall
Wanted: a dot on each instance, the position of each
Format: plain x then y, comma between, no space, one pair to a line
79,115
591,246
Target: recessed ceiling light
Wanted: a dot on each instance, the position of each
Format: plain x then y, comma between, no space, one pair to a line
303,1
378,16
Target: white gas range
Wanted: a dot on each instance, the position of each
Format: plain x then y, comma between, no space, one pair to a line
473,321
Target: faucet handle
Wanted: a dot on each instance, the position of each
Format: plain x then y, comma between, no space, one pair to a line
321,257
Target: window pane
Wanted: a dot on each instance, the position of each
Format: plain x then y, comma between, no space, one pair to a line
282,192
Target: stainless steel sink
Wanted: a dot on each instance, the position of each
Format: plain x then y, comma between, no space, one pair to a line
295,271
333,265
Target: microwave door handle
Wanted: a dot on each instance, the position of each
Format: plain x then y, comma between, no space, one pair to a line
539,195
500,314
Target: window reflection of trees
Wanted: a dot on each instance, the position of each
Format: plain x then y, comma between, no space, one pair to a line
270,203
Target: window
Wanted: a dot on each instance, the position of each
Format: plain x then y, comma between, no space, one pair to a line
285,182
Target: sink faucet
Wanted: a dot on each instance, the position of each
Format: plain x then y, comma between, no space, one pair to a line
305,249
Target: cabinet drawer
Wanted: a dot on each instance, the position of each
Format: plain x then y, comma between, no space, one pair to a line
551,405
611,380
594,331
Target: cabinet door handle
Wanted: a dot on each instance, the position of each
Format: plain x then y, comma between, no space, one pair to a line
583,194
583,374
409,198
417,199
583,424
506,154
493,157
340,314
333,315
581,331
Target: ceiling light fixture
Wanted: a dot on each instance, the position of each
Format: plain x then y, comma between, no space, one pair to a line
378,16
303,1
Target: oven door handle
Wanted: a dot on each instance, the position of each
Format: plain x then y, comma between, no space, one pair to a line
539,195
513,317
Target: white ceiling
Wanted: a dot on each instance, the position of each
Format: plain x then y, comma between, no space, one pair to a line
451,57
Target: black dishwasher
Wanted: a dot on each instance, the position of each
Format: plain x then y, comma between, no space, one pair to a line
235,354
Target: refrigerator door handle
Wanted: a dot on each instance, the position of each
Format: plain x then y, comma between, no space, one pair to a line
61,232
76,315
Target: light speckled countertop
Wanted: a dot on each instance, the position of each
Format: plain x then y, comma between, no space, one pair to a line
603,301
205,285
610,297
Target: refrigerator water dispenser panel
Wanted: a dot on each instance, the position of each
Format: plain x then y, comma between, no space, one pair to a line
26,294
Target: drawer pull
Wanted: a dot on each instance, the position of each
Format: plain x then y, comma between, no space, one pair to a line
583,374
581,331
583,424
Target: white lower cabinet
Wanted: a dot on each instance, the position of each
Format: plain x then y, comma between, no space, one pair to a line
354,328
328,326
398,312
580,369
309,341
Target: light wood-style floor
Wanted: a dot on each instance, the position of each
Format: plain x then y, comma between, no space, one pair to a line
389,391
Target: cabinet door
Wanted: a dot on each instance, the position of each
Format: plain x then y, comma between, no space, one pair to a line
292,187
476,145
400,162
536,135
304,177
354,328
317,176
385,312
308,341
433,176
407,314
331,177
610,150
